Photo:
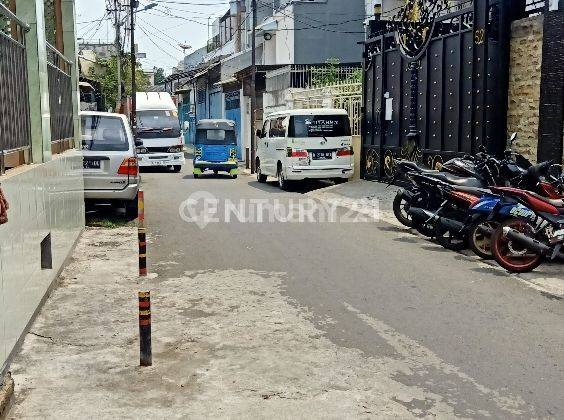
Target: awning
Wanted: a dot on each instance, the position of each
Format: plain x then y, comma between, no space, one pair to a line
269,25
226,81
182,91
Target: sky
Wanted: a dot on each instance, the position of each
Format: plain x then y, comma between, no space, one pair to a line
158,33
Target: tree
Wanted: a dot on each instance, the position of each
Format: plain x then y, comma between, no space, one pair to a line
159,76
108,78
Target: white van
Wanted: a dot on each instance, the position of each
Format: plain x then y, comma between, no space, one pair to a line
305,144
158,128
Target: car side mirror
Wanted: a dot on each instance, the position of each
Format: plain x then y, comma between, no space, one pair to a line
259,134
138,143
186,125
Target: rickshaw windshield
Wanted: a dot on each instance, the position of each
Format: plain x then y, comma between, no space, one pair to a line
215,137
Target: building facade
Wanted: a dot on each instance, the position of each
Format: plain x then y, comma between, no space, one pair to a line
39,167
288,33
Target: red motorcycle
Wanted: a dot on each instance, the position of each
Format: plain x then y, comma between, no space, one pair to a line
536,231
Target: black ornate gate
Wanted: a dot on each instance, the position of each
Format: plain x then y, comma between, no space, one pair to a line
435,83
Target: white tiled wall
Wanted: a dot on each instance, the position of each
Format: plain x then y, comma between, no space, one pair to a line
45,198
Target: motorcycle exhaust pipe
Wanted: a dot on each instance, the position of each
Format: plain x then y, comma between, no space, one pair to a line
421,215
529,242
486,230
451,224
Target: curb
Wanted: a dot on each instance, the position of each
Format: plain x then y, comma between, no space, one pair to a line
6,395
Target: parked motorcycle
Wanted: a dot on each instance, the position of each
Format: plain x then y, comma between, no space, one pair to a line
475,226
536,230
419,185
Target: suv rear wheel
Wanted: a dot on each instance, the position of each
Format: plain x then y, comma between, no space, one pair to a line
260,177
283,183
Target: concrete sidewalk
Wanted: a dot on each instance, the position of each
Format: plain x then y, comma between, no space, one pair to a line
226,344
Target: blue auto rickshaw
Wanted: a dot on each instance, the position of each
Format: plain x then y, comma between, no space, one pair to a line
215,147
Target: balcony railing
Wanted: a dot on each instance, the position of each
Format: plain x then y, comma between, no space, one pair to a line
311,76
60,100
15,133
213,44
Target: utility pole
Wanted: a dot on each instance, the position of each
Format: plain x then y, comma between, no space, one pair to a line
133,117
118,53
253,87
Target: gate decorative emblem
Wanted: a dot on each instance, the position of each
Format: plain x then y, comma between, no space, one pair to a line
414,25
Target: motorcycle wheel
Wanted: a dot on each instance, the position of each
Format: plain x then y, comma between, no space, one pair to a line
450,240
511,255
481,242
400,210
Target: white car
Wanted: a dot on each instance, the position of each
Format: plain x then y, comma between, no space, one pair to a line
305,144
110,169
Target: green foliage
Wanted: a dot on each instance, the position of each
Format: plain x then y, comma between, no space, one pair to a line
108,78
327,75
159,76
331,74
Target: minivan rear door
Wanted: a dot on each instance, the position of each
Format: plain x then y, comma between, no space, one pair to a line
106,144
327,138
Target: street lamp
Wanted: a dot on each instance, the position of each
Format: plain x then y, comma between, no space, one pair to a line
148,7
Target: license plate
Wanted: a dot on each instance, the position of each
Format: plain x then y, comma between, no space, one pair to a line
159,162
321,155
91,164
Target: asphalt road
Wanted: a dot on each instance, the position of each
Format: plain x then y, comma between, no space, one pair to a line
472,334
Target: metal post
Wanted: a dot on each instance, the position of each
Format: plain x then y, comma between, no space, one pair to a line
145,347
132,6
118,54
253,87
142,234
414,91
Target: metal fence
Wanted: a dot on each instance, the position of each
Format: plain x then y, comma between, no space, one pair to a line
15,134
60,99
348,97
312,76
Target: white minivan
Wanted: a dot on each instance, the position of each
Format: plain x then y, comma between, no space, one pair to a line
305,144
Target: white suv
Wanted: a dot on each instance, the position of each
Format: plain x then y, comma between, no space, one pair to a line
305,144
110,168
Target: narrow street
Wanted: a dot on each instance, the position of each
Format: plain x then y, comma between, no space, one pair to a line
314,319
470,334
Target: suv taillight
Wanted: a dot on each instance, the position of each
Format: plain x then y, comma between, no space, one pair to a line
345,151
129,167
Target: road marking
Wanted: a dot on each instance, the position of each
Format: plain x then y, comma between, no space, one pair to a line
545,282
420,358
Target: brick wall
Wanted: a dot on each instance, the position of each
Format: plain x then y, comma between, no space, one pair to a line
524,83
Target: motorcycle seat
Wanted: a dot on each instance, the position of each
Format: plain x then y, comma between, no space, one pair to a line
412,166
457,180
474,190
558,203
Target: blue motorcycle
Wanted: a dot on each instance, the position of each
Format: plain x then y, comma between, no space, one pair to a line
484,216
